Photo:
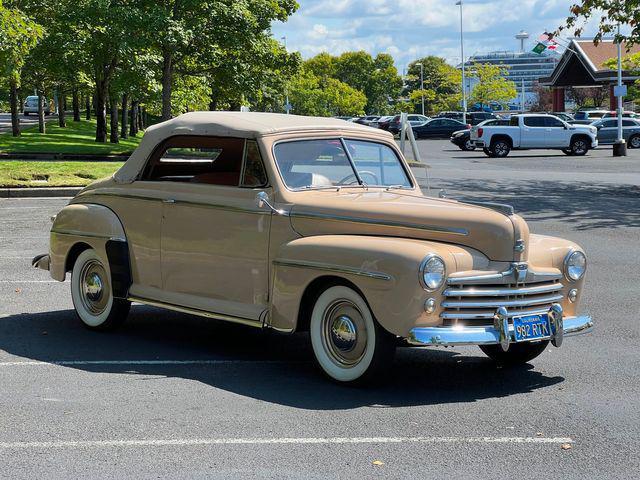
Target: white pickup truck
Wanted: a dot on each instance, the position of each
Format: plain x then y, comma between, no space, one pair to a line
528,131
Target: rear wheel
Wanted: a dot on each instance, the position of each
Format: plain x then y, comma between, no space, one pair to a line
634,141
348,343
92,294
500,148
517,354
579,146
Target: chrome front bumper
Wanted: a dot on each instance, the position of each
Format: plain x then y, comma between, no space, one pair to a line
500,333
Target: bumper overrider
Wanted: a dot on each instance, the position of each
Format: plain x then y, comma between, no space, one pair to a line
501,332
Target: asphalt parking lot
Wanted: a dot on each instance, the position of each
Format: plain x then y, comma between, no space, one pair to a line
174,396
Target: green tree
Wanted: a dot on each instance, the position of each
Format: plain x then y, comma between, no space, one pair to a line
492,85
610,14
312,95
18,35
441,85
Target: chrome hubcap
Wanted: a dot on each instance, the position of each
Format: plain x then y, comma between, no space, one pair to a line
344,335
579,147
500,149
635,142
92,286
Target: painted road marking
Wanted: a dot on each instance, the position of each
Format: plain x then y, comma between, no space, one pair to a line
30,281
275,441
65,363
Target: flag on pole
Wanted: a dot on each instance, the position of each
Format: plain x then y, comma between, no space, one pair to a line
539,48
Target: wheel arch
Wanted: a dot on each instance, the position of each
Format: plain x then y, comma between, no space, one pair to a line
501,136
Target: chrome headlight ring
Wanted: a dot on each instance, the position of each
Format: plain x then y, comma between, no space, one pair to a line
432,273
575,265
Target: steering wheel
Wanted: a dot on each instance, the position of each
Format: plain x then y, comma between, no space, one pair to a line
355,179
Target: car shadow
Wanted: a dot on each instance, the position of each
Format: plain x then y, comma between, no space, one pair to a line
258,364
586,206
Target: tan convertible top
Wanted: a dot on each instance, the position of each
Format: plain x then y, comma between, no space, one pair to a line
232,124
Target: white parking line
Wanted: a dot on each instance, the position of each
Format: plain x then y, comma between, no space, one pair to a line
274,441
30,281
67,363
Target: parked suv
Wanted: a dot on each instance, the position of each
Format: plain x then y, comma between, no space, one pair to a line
585,117
528,131
31,105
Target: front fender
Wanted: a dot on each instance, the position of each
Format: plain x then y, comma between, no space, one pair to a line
90,224
384,269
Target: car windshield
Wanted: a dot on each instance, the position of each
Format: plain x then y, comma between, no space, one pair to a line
307,164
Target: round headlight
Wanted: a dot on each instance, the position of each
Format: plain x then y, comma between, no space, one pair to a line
575,264
432,273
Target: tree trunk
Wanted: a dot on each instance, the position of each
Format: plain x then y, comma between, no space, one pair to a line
143,118
62,106
140,119
15,118
124,131
87,106
101,113
113,105
76,105
41,124
133,127
167,79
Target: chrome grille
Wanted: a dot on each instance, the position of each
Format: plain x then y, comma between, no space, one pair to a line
474,300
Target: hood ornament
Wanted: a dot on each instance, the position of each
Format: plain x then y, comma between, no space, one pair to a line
520,271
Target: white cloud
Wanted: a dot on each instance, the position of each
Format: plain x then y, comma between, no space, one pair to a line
408,29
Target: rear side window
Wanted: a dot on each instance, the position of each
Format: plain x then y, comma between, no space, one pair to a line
534,121
197,159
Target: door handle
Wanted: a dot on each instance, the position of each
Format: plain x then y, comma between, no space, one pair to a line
169,200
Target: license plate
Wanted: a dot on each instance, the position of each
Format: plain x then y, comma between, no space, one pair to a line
531,327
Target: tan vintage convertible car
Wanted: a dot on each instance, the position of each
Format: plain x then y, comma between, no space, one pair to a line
297,223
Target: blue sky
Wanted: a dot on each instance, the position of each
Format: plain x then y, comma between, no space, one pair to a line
409,29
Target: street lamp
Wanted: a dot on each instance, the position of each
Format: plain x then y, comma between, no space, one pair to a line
620,147
287,105
422,84
464,91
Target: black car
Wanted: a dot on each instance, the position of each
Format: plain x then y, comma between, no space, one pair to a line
462,138
367,120
438,128
473,118
414,120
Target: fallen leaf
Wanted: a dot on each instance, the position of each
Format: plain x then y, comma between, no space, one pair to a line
18,290
378,462
539,434
566,446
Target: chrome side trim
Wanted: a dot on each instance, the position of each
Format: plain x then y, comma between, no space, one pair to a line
194,311
184,202
78,233
333,268
497,292
382,222
503,208
501,303
454,336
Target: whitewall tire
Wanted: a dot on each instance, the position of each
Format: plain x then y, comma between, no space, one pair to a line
348,344
92,294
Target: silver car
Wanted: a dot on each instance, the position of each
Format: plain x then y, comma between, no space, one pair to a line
608,131
31,105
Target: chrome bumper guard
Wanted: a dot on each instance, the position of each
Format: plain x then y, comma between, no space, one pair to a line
500,333
41,262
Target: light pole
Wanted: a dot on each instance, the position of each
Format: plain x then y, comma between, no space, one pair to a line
464,86
287,106
620,147
422,84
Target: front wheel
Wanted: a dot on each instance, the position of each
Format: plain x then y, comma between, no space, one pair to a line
349,345
92,294
579,146
517,354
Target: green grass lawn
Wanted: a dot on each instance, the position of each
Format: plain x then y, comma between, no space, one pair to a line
77,138
53,173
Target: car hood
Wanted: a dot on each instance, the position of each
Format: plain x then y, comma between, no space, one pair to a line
410,215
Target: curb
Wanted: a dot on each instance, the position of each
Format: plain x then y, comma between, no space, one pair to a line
39,192
73,157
